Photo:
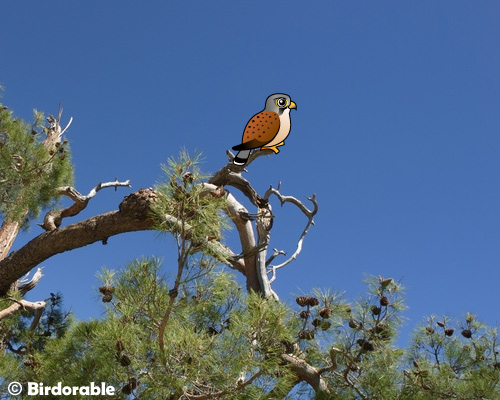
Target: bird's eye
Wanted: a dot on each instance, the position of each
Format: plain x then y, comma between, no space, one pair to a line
281,102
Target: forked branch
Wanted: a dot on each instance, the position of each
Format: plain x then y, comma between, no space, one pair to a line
53,218
310,221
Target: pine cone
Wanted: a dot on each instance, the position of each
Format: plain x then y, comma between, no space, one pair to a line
119,346
449,331
139,203
306,335
384,301
375,310
467,333
325,313
301,301
312,301
107,298
124,360
106,289
365,345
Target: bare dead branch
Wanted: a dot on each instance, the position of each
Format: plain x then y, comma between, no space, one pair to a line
135,214
18,304
24,286
306,372
53,219
352,384
230,175
264,224
239,385
310,221
275,254
36,319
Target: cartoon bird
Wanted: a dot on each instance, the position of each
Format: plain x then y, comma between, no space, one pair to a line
267,129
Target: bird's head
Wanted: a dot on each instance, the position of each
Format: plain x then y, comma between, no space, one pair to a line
279,102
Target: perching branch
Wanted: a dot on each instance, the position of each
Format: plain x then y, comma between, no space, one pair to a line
53,219
230,175
135,214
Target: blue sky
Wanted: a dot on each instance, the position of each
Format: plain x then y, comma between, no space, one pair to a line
397,129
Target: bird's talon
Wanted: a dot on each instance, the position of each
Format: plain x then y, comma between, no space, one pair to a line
273,148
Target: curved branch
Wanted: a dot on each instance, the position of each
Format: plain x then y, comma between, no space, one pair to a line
310,221
306,372
230,175
24,286
134,214
53,219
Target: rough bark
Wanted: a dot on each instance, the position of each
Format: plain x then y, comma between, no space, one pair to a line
134,216
8,233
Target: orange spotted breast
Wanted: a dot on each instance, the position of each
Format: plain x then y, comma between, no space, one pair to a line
260,129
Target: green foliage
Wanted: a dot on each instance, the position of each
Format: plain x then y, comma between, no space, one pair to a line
193,209
223,341
29,173
216,336
448,359
192,333
25,341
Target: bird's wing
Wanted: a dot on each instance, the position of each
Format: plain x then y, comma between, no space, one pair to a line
260,130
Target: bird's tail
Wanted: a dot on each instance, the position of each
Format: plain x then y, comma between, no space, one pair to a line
241,157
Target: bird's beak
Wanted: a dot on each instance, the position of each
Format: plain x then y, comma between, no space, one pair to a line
292,105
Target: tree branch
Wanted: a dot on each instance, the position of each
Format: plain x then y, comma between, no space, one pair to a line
310,221
230,175
18,304
221,393
307,373
24,286
53,218
134,214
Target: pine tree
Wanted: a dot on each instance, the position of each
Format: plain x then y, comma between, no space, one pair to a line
188,329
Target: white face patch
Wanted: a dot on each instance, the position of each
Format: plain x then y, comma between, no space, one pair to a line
284,128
